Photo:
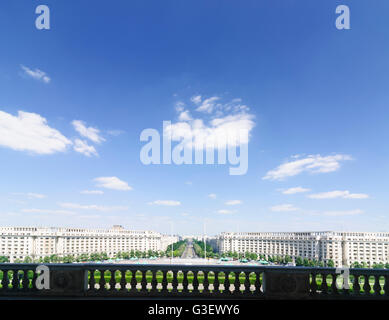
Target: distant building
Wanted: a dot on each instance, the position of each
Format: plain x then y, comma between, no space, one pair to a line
20,242
344,248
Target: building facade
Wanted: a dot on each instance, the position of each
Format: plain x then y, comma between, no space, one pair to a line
21,242
343,248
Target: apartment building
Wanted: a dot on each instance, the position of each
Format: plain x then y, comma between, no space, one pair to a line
344,248
20,242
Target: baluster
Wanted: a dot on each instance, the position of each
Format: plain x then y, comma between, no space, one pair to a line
102,280
313,284
216,283
15,280
356,286
386,286
92,281
5,280
237,284
206,282
366,286
195,283
185,282
33,283
123,281
154,282
133,282
258,284
25,281
224,281
334,285
143,282
112,281
247,284
377,286
175,282
164,283
324,285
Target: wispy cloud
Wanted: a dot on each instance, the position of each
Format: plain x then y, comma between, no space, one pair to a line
207,105
283,208
70,205
343,213
338,194
48,211
113,183
295,190
224,211
92,192
115,133
30,132
90,133
81,146
312,164
36,74
170,203
233,202
31,195
212,196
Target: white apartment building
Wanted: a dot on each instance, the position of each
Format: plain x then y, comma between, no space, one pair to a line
344,248
20,242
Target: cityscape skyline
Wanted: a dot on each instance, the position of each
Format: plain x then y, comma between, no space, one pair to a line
71,116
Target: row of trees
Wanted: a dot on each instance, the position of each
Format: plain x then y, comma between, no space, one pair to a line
374,266
198,247
278,259
92,257
178,249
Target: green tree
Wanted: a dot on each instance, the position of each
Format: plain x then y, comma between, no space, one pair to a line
4,259
68,259
27,259
299,262
330,264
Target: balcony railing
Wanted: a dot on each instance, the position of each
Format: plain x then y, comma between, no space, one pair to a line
94,281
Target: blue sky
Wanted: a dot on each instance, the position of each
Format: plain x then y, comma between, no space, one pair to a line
317,98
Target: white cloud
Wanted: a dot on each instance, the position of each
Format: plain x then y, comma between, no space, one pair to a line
36,74
70,205
196,99
184,116
212,196
223,126
46,211
295,190
92,192
90,133
30,132
343,213
32,195
115,133
112,183
207,105
338,194
233,202
312,164
180,106
83,147
170,203
283,208
223,211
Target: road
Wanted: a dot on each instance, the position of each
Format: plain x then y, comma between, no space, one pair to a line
189,252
